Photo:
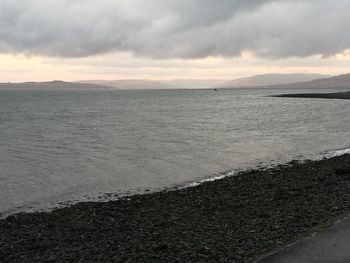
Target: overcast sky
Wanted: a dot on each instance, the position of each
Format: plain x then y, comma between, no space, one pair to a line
162,39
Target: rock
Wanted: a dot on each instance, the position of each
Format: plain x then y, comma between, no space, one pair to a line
160,247
341,171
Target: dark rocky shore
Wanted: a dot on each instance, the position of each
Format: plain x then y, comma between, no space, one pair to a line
339,95
229,220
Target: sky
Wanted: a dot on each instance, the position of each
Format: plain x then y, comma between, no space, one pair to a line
167,39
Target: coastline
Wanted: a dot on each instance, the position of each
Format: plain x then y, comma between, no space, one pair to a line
338,95
235,218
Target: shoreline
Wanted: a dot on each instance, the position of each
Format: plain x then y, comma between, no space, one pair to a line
54,204
235,218
337,95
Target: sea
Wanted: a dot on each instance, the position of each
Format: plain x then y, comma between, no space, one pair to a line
63,146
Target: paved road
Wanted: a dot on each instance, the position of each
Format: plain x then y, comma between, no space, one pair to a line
332,245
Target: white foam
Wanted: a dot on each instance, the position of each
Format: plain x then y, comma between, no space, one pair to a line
212,179
338,152
329,154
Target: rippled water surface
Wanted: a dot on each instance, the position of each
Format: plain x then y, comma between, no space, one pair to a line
63,145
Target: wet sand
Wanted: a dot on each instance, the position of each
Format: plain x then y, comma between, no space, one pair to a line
232,219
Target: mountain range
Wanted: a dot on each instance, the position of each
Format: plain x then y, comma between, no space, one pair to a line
52,85
266,81
341,81
157,84
272,79
128,84
258,80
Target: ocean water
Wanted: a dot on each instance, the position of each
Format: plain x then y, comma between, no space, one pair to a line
75,145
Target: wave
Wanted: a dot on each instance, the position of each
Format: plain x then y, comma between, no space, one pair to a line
211,179
338,152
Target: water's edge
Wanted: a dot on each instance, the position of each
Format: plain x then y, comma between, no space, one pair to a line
234,218
106,197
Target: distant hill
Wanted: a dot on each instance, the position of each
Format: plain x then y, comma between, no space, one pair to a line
52,85
341,81
195,83
268,81
129,84
271,79
158,84
115,84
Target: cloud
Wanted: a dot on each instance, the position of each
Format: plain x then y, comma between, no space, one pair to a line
174,28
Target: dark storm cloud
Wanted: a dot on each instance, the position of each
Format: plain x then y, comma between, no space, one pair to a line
174,28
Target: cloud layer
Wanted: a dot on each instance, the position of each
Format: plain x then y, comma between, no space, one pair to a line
174,28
